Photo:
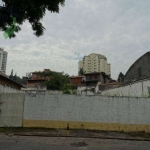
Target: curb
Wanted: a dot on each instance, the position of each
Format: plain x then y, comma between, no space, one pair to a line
100,137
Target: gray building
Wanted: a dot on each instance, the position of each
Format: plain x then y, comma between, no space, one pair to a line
3,60
139,70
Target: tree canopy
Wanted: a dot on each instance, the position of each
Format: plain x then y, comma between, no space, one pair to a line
57,81
31,10
121,77
19,80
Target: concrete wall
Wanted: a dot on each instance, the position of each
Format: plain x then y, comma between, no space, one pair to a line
11,110
42,92
136,89
87,112
6,89
53,92
75,112
81,91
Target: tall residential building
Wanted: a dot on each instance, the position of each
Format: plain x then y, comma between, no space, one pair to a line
3,60
95,63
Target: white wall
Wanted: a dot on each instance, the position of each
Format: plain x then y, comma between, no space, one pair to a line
137,89
87,109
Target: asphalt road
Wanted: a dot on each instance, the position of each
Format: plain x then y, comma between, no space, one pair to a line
8,142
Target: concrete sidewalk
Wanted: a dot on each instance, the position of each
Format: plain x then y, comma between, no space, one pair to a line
76,133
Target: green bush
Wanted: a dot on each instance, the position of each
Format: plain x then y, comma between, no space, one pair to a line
68,89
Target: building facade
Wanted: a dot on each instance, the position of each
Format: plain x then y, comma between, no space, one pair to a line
3,60
91,79
38,79
95,63
76,80
91,82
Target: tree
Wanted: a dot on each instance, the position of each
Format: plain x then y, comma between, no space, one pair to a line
28,75
11,75
15,78
25,78
30,10
108,75
121,77
19,80
57,81
81,72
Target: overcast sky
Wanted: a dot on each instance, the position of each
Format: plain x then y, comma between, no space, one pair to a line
118,29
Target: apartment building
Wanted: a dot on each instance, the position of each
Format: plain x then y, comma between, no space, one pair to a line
3,60
95,63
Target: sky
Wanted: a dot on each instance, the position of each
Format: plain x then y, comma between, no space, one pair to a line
118,29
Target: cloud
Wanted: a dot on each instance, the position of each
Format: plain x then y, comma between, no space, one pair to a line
118,29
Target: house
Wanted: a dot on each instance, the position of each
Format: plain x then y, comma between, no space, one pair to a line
38,78
76,80
139,70
91,82
91,79
5,81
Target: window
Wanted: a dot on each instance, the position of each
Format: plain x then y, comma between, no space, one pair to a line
95,77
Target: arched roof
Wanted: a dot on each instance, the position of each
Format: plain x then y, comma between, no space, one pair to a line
140,69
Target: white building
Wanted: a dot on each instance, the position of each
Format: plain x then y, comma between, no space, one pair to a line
95,63
3,60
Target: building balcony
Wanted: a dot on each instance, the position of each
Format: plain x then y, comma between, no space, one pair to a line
90,80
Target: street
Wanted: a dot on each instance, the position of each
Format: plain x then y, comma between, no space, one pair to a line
11,142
